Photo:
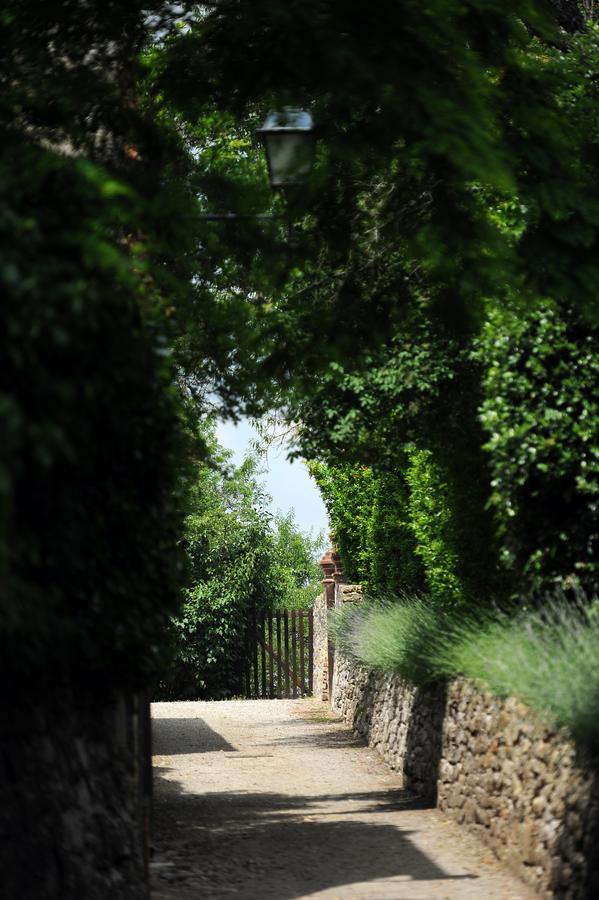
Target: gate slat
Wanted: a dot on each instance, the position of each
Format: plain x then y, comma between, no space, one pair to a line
263,632
301,650
255,651
294,654
310,652
286,630
279,690
271,662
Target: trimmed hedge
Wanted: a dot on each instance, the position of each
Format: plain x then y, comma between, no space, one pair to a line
89,455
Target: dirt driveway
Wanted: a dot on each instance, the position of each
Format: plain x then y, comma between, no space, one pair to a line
275,799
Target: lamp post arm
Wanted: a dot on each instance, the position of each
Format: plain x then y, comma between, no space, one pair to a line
224,217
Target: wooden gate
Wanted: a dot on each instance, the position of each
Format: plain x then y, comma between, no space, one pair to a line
279,657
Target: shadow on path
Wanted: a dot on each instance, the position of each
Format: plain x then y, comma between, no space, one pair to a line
276,845
265,844
186,735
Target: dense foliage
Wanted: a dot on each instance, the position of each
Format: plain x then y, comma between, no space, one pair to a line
89,459
103,266
540,414
89,449
536,424
241,558
455,182
432,330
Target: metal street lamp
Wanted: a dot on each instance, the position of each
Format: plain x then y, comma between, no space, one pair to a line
288,139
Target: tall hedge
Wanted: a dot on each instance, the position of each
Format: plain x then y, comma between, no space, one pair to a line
498,496
96,261
540,413
88,481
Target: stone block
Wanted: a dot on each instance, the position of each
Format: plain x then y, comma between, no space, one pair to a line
447,771
527,842
481,816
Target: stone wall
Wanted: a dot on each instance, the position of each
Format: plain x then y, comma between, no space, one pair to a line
491,765
403,723
72,803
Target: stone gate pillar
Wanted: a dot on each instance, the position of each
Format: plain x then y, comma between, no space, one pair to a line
324,657
330,565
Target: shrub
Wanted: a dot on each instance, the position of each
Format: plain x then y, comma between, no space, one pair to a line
394,563
549,658
399,637
431,521
348,492
406,530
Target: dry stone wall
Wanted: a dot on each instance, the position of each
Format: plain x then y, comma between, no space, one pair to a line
339,593
491,765
403,723
71,795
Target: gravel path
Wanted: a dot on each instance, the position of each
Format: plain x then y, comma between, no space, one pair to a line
275,799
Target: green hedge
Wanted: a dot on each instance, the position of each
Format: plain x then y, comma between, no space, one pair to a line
406,531
496,495
90,448
540,412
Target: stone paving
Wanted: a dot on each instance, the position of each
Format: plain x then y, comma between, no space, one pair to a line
275,799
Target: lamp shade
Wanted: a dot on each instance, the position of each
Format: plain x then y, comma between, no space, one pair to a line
288,139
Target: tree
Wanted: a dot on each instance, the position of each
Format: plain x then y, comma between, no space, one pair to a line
240,558
457,177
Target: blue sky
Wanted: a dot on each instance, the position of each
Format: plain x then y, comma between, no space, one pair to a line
289,484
